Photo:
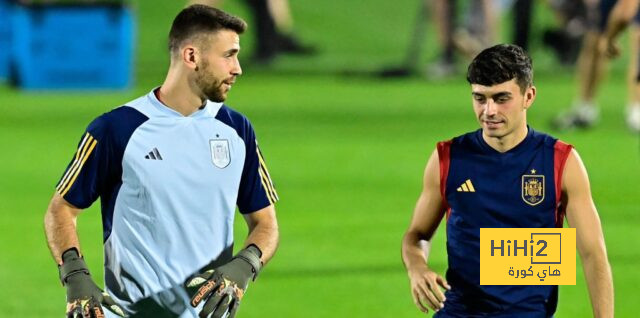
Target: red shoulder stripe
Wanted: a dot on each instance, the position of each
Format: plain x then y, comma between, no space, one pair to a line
561,151
444,155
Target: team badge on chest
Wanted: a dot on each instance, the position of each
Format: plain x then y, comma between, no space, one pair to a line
533,188
220,154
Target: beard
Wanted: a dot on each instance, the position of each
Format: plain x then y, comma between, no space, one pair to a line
209,85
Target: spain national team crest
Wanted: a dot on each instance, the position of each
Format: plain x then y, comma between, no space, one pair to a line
533,188
220,152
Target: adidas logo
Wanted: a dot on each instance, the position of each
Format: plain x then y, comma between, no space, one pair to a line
467,186
154,155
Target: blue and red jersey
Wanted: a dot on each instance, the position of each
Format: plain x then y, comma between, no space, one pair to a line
484,188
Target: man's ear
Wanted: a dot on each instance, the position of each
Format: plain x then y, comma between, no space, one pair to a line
529,96
190,57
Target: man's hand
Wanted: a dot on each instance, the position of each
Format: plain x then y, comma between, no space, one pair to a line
425,288
608,47
222,288
84,298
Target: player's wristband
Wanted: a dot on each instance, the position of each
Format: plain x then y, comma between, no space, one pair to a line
251,255
72,264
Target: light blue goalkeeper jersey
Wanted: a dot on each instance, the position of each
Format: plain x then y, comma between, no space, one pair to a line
168,186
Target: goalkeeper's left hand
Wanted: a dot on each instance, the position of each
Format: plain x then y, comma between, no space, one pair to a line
222,288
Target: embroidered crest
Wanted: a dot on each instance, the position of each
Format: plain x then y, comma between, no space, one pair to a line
220,152
533,188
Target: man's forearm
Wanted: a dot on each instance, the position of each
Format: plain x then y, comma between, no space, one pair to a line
413,253
60,230
600,283
266,237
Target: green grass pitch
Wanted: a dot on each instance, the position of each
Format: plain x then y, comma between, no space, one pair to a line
346,154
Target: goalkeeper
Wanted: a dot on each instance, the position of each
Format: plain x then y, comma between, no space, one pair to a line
170,168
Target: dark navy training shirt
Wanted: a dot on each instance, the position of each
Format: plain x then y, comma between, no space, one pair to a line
483,188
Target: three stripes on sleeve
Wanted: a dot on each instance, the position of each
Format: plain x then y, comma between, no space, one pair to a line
87,146
265,178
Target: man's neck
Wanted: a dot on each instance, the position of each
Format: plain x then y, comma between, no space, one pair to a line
178,96
508,142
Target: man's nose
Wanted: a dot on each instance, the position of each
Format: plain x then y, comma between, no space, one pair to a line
236,69
490,108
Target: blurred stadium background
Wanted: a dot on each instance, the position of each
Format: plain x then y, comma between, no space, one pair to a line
346,151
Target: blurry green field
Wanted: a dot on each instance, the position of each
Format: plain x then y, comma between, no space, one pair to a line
346,153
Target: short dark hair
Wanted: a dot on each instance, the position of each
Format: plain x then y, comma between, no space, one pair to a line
501,63
197,19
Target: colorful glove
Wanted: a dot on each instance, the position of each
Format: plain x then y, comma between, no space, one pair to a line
222,288
84,298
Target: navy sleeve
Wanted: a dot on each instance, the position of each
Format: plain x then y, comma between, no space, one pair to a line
96,168
256,188
85,176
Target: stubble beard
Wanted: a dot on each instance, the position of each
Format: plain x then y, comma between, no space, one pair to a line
210,87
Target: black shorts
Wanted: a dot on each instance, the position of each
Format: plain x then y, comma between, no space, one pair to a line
598,17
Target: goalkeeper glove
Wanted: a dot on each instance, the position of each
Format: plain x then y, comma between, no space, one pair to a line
84,298
222,288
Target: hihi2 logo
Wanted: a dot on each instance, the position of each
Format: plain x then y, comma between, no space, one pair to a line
527,256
